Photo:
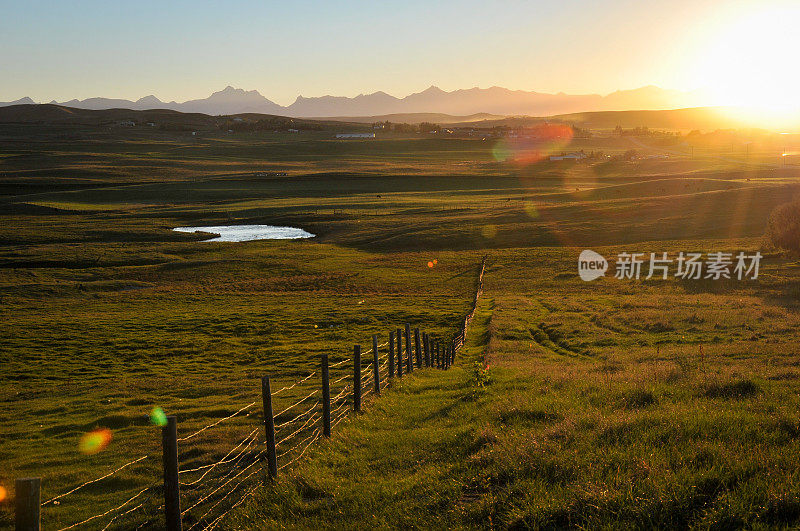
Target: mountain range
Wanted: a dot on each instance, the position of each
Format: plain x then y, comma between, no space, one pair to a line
494,100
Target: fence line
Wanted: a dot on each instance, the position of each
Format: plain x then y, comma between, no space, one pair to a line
417,350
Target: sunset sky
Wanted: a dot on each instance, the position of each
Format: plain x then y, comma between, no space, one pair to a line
737,52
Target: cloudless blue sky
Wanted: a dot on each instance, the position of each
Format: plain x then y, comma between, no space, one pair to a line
182,50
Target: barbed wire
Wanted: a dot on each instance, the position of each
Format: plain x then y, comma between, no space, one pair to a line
298,430
123,514
213,524
316,435
108,511
346,376
207,496
296,445
282,389
309,395
230,491
306,412
129,463
201,430
343,391
222,461
339,418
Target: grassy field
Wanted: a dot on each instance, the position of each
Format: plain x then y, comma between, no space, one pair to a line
615,403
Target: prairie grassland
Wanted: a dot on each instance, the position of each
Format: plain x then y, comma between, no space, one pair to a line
613,404
107,313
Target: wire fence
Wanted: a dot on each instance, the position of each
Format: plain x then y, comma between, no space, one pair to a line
203,493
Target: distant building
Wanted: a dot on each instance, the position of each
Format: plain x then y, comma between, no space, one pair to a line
355,135
569,156
127,123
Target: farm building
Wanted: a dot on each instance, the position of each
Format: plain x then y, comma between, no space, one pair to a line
569,156
355,135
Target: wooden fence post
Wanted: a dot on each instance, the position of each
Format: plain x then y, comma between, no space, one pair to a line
399,336
453,353
28,504
391,354
269,427
438,356
418,348
326,397
172,489
357,378
409,361
376,369
426,346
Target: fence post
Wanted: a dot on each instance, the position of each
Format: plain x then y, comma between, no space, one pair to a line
28,504
418,348
172,489
399,337
326,397
453,353
357,378
426,346
269,427
409,362
391,354
376,369
446,355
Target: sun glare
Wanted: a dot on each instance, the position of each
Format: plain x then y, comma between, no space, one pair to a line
749,62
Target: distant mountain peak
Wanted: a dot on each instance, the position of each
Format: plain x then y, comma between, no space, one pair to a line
148,100
433,89
462,102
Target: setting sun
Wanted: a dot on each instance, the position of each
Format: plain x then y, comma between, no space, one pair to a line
747,61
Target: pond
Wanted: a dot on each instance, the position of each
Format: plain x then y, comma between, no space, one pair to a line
246,233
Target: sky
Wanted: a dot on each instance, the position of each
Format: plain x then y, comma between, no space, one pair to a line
180,50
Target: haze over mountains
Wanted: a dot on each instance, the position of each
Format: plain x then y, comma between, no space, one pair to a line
494,100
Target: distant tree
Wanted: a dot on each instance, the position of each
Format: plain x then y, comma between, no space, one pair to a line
403,128
783,228
428,127
618,130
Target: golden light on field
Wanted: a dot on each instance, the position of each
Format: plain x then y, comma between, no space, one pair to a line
747,61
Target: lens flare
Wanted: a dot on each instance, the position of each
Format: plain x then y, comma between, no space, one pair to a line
3,494
158,417
530,145
430,264
435,261
95,441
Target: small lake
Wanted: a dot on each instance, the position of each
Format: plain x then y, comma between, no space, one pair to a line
246,233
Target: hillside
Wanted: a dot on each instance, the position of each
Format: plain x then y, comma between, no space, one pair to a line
703,118
62,115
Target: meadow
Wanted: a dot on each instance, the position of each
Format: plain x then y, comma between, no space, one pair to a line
616,403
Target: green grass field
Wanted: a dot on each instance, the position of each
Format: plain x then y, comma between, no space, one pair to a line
612,404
